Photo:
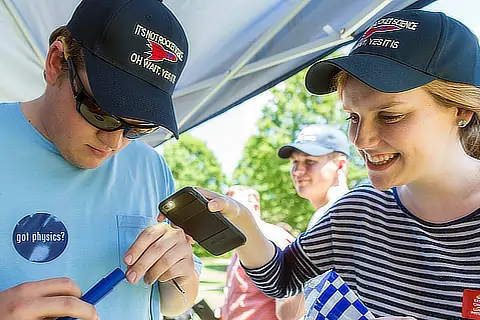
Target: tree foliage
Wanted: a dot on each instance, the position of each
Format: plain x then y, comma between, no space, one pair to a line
282,118
193,164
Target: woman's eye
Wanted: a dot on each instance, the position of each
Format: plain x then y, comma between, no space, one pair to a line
353,118
391,119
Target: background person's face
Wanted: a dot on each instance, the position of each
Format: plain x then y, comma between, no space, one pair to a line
403,137
80,143
312,176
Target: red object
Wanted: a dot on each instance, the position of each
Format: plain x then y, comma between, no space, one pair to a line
471,304
243,300
158,53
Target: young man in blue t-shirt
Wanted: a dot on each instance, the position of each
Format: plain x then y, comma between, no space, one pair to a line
78,192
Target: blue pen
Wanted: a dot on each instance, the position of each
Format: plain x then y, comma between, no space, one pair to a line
101,289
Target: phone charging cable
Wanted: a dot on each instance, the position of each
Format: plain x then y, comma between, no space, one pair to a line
190,312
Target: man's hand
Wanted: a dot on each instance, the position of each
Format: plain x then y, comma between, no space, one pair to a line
161,252
50,298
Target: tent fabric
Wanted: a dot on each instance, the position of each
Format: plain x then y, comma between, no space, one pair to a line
238,48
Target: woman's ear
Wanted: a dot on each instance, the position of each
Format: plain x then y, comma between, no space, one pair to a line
53,62
464,114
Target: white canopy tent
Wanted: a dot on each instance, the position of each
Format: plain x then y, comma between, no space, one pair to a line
238,48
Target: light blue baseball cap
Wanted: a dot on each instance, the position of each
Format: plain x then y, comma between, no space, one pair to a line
317,140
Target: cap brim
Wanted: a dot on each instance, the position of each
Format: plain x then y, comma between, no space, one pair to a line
378,72
124,95
310,149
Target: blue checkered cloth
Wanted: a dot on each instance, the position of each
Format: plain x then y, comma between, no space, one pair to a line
328,297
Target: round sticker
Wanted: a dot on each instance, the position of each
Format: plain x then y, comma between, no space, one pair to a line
40,237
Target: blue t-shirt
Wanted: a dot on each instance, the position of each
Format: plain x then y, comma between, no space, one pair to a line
62,221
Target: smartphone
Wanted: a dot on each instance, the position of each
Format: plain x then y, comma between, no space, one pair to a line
203,310
187,208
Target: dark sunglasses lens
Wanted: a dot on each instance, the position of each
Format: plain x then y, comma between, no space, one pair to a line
99,120
137,132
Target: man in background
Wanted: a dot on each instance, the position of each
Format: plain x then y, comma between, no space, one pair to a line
243,300
319,158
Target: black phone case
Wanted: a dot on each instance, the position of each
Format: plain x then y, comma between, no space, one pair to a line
187,208
203,310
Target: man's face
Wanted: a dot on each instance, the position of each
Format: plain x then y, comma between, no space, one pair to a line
312,176
80,143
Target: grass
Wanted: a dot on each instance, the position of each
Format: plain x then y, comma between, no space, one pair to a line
212,281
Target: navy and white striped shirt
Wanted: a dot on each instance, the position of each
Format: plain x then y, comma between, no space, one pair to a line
398,264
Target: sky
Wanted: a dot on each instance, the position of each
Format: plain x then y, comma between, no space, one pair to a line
227,134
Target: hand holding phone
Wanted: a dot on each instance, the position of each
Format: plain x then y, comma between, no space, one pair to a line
187,208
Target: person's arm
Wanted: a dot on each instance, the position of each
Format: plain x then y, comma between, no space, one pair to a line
290,308
293,307
278,273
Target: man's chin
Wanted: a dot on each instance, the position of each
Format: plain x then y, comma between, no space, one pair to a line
86,163
302,192
89,166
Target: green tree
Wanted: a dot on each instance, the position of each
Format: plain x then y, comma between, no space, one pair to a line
291,108
193,164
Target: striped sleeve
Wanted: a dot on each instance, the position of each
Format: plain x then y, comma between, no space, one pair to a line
398,264
284,275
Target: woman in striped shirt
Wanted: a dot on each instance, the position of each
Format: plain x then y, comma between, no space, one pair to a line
410,244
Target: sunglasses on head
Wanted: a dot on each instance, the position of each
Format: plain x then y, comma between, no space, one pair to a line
94,115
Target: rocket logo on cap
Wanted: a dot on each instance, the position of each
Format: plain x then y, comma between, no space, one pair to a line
157,43
157,53
384,25
384,28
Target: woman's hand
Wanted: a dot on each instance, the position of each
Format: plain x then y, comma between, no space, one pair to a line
236,212
257,251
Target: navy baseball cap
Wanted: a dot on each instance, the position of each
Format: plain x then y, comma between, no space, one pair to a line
404,50
135,51
317,140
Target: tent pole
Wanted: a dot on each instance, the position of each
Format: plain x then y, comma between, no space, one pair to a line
321,44
269,62
369,14
244,59
23,29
